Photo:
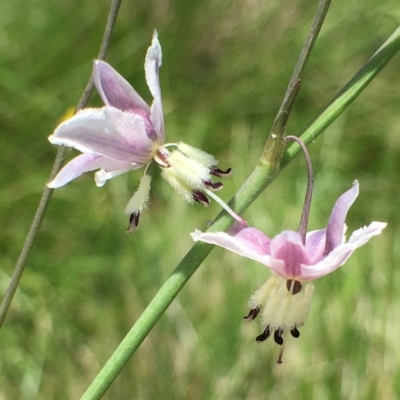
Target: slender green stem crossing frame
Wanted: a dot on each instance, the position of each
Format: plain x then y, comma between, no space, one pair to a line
58,163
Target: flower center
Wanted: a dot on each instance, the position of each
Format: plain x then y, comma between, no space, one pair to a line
283,306
159,154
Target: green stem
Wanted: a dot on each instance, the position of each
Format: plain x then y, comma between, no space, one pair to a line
261,177
274,146
346,95
58,163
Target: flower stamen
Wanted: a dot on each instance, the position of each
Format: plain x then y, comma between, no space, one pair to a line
264,336
280,356
225,206
284,306
252,314
220,173
133,222
201,198
161,157
278,336
138,202
213,185
295,333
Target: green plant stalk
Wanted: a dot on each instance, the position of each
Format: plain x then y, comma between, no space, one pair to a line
261,177
58,163
346,95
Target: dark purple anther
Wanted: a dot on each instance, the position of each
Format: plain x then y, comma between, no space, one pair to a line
252,314
201,198
218,172
295,333
214,186
264,336
278,337
133,221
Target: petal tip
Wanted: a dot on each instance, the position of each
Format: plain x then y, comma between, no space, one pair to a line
101,177
196,235
380,225
96,70
154,52
98,63
53,184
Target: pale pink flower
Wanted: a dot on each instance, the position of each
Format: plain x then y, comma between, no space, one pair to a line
285,299
324,251
127,134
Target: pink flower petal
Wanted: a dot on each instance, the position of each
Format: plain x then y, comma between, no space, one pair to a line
84,163
340,254
115,90
336,226
288,247
108,132
315,245
286,255
327,265
243,240
76,167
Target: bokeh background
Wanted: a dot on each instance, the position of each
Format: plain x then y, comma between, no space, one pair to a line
226,67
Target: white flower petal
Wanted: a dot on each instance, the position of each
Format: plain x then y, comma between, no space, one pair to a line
152,65
102,176
340,254
243,240
108,132
89,162
362,235
152,69
76,167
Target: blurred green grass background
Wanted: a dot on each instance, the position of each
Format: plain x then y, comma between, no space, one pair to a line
226,67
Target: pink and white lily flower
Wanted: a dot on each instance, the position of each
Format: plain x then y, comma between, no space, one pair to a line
286,297
324,251
127,134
